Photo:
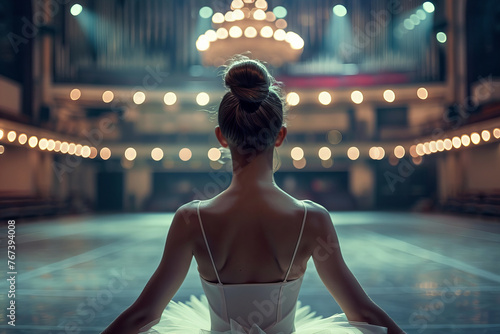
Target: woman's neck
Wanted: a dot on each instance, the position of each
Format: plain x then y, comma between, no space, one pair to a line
254,171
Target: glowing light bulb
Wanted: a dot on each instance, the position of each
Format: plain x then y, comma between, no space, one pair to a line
250,32
75,94
33,141
23,138
107,96
105,153
202,99
202,44
222,33
325,98
214,154
218,18
139,97
157,154
475,138
399,151
185,154
292,98
422,93
297,153
324,153
266,32
340,10
235,32
357,97
485,135
130,153
353,153
170,98
389,95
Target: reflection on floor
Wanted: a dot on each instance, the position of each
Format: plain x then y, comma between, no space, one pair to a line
431,273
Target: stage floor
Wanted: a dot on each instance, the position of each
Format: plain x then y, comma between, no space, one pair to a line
431,273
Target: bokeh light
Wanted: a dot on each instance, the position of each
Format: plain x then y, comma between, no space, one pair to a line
441,37
440,145
130,153
23,138
157,154
86,151
214,154
43,143
33,141
250,32
399,151
413,151
266,32
353,153
235,32
185,154
475,138
465,140
280,12
299,164
428,7
222,33
339,10
297,153
108,96
170,98
325,153
76,9
422,93
139,97
75,94
389,95
218,18
202,99
206,12
334,137
11,136
357,97
259,15
292,98
485,135
325,98
64,147
448,145
105,153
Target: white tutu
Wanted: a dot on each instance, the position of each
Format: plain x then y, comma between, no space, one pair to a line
193,317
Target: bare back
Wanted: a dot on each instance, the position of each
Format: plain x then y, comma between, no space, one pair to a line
252,235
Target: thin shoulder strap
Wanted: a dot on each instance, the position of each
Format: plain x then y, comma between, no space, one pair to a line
206,242
298,241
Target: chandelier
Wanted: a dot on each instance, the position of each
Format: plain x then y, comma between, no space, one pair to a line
248,26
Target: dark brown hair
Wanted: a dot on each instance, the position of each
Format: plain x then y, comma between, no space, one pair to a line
252,112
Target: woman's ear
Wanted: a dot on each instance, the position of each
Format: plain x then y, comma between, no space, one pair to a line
220,137
281,136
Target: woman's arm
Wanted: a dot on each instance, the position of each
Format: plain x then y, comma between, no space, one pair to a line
337,277
166,280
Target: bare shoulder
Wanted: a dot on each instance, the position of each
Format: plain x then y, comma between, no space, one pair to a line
319,228
317,215
186,214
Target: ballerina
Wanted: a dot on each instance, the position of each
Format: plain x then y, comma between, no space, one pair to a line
252,242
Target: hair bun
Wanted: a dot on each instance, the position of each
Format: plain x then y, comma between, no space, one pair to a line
248,80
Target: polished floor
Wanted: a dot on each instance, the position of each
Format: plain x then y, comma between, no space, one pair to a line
431,273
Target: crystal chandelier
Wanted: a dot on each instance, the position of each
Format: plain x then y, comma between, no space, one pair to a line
248,26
